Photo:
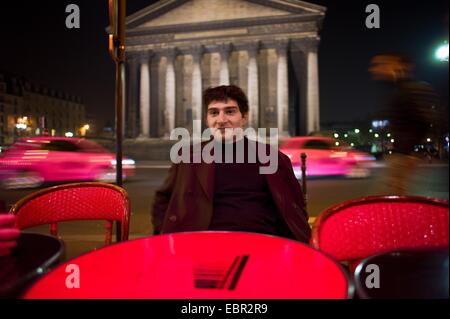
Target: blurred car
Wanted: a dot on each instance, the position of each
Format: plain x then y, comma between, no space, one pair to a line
324,158
30,162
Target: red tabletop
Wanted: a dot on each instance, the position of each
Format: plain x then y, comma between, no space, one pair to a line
199,265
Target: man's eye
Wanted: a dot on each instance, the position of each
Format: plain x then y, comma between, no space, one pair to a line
232,111
213,113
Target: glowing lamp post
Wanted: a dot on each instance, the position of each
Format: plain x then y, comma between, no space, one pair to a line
84,129
441,53
21,124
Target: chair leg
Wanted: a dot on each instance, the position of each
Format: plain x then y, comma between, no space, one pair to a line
54,229
118,231
109,225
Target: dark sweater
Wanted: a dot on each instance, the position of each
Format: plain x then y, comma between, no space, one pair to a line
243,201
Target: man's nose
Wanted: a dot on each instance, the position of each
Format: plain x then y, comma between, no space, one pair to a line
222,118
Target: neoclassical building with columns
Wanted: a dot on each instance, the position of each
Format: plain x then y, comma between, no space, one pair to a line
178,48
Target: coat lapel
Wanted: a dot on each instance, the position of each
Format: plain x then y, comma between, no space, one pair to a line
276,183
205,175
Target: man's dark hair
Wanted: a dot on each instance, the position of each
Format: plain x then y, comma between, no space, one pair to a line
223,93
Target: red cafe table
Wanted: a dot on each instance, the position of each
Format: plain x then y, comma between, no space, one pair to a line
198,265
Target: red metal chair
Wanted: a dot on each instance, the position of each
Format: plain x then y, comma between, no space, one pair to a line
77,201
362,227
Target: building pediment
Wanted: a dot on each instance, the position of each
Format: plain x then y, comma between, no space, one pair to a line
171,13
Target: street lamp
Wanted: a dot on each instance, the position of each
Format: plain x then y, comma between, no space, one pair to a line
441,53
22,124
84,129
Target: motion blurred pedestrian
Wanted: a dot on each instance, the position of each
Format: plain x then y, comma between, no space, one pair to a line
412,113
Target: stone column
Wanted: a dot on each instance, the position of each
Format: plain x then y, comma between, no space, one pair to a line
155,106
313,88
282,88
196,101
224,51
131,128
304,58
144,100
252,87
169,111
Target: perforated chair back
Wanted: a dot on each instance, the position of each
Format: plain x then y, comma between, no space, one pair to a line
77,201
363,227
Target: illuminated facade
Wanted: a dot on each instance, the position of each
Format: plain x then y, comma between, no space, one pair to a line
28,110
176,49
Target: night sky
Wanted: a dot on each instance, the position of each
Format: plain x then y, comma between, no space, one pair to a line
36,44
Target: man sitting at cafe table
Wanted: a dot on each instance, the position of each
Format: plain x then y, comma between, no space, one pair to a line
236,195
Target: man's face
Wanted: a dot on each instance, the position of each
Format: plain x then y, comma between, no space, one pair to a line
225,115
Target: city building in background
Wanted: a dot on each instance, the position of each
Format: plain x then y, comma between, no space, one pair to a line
176,49
376,137
27,109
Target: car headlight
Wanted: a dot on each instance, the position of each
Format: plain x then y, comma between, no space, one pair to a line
124,162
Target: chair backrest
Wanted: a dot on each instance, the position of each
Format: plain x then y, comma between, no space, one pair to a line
77,201
360,228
